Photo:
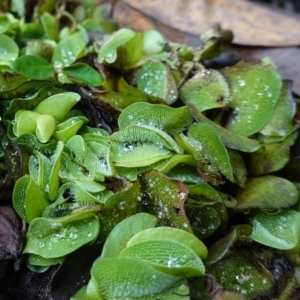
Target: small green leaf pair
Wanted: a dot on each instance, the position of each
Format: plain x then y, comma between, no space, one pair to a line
43,119
135,252
67,51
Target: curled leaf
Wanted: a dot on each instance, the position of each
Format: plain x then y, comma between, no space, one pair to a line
170,233
163,117
58,105
169,256
28,199
127,277
124,231
207,89
137,146
156,79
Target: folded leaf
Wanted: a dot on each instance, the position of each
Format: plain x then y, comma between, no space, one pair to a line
118,278
163,117
123,232
169,256
52,238
172,234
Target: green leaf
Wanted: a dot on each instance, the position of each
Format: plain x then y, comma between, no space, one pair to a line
108,51
40,48
279,231
64,131
156,79
207,89
9,50
176,159
172,234
229,139
80,197
255,90
28,199
25,122
45,126
222,247
118,278
271,157
136,146
37,260
52,238
153,42
99,163
269,192
68,50
165,198
204,218
58,105
80,294
162,117
281,121
166,255
124,231
84,73
207,147
44,170
50,25
239,272
33,67
6,21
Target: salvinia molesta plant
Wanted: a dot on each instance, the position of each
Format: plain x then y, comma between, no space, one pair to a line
127,138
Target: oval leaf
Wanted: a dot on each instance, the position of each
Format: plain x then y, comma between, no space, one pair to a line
270,192
52,238
169,256
170,233
118,278
209,148
156,79
9,50
119,236
160,116
137,146
84,73
279,231
255,90
33,67
205,90
28,199
58,105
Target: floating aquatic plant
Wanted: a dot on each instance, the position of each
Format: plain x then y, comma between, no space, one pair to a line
130,139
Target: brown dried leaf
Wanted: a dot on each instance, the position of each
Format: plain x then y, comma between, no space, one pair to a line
125,16
252,24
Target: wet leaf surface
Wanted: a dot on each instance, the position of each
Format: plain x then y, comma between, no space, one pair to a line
249,278
165,198
269,192
137,94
